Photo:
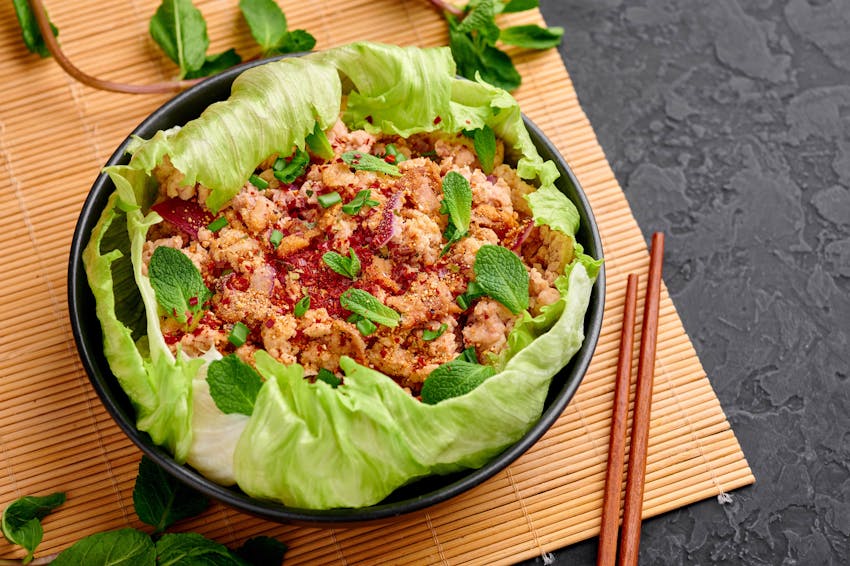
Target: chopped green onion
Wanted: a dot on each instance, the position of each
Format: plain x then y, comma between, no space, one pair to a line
329,199
428,335
259,182
392,150
217,224
365,326
279,164
328,377
238,334
301,306
469,355
276,238
462,302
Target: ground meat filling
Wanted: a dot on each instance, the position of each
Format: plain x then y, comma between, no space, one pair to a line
398,239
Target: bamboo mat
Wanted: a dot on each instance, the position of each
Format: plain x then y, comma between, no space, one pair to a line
55,435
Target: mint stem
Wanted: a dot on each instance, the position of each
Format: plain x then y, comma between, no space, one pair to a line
53,46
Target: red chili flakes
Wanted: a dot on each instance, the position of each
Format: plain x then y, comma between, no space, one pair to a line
390,159
193,301
269,322
368,118
437,120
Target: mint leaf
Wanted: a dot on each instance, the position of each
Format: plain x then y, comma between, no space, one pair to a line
500,274
296,41
21,520
318,143
368,306
484,141
345,266
123,547
361,199
368,162
532,36
481,22
175,549
328,377
457,203
180,30
519,6
160,500
29,29
453,379
266,21
428,335
214,64
302,306
263,551
234,385
286,170
177,283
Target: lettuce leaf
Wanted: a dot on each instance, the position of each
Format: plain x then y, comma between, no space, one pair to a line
307,444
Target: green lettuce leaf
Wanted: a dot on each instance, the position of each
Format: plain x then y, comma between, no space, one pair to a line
308,444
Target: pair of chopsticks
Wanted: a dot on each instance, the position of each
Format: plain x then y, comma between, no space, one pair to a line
630,533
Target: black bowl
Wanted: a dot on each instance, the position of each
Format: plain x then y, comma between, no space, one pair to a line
415,496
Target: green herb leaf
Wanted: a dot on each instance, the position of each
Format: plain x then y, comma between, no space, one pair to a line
160,500
345,266
266,21
301,307
484,141
214,64
532,36
457,203
21,520
191,548
328,377
428,335
319,144
361,161
180,30
29,29
520,6
481,22
296,41
453,379
238,334
123,547
499,274
177,283
234,385
368,306
287,170
361,199
263,551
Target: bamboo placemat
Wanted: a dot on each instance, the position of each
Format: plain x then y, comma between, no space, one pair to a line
55,435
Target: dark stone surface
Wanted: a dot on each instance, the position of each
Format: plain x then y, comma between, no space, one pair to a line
727,123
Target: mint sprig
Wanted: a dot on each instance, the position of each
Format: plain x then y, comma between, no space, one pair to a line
369,307
21,521
160,500
268,26
234,385
457,204
361,161
177,283
30,32
361,199
345,266
500,275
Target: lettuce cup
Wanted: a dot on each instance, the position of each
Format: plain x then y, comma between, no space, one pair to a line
354,287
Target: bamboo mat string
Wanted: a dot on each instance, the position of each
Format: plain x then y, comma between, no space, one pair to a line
436,538
528,520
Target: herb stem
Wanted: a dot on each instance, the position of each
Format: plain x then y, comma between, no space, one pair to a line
53,46
446,7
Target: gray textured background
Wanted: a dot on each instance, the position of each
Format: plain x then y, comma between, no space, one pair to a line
727,123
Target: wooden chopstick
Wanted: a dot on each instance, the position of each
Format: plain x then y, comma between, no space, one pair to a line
617,443
630,534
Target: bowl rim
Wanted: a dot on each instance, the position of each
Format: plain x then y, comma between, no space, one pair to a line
105,384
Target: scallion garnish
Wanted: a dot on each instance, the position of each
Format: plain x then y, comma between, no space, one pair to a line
301,307
217,224
258,182
328,377
275,238
238,334
365,326
428,335
327,200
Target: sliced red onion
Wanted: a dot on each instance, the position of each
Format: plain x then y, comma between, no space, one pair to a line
388,226
186,215
523,237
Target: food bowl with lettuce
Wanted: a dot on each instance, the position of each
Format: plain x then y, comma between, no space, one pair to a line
336,287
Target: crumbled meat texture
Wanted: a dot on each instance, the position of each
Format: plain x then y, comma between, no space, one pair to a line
259,284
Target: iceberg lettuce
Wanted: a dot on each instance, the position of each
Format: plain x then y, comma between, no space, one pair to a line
306,444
